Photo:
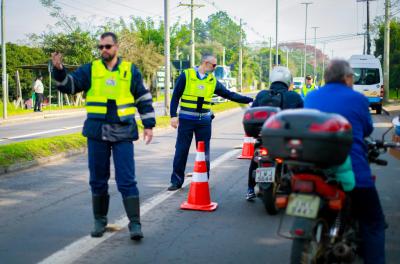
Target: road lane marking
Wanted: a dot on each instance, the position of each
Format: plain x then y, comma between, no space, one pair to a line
41,133
383,124
77,249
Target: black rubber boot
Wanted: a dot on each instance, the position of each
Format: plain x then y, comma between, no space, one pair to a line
132,209
100,209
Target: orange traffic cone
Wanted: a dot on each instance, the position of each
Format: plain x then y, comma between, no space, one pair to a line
199,192
248,148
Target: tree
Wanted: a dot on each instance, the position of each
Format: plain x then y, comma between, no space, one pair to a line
394,60
22,55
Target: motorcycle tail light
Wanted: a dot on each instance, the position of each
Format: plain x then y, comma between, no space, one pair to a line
335,204
248,116
279,161
331,125
303,186
273,123
263,152
267,165
260,115
281,201
299,232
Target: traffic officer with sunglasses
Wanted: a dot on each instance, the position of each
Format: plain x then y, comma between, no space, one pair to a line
114,89
194,89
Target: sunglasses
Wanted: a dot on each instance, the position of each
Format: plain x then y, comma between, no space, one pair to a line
107,46
212,64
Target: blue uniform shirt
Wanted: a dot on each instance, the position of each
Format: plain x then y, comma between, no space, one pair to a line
340,99
219,90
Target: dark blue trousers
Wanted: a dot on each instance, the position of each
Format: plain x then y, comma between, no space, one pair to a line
367,209
202,131
99,153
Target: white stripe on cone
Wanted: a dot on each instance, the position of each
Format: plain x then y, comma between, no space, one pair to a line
199,177
200,156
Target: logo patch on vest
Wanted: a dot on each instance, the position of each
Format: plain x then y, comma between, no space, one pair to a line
111,82
201,87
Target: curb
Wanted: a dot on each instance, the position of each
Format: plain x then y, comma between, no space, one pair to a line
41,116
33,163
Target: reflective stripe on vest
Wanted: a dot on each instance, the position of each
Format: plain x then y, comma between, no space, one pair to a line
110,85
196,89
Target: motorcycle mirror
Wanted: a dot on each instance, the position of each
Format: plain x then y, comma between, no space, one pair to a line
396,121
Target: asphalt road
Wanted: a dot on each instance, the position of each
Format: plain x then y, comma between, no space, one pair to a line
46,211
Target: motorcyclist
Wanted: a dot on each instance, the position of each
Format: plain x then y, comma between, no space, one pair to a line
337,96
279,96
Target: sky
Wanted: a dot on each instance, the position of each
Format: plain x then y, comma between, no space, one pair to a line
333,17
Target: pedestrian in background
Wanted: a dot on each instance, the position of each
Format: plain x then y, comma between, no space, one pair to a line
39,89
114,88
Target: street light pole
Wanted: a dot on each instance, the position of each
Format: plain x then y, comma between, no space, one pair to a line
276,34
167,57
4,62
386,51
241,58
270,61
315,52
305,38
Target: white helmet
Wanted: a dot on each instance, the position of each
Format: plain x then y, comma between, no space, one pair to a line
281,74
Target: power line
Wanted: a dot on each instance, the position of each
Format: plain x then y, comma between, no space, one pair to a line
136,9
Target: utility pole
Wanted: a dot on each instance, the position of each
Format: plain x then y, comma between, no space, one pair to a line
223,56
192,6
301,66
167,58
305,38
241,58
276,34
386,51
287,58
368,37
270,61
3,55
315,52
323,62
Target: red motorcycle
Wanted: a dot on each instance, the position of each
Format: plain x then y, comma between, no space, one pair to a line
268,173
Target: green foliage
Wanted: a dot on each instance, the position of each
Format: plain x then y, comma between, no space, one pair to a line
17,56
394,58
39,148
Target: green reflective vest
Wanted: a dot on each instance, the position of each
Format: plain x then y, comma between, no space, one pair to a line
196,89
305,90
110,85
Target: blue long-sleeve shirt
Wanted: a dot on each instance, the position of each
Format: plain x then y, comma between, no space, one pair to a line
219,90
340,99
80,80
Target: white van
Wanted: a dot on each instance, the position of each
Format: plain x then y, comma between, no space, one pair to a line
298,83
368,79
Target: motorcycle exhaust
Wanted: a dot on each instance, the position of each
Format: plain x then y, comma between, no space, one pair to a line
343,252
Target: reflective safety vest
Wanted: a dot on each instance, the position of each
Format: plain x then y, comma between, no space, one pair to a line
305,90
196,98
110,85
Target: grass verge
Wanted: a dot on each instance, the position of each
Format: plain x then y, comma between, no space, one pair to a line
34,149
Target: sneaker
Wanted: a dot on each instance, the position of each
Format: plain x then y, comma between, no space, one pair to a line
250,195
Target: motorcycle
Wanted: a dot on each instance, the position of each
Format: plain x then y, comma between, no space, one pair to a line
323,229
268,173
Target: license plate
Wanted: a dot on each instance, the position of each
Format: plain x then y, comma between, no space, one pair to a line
303,205
265,174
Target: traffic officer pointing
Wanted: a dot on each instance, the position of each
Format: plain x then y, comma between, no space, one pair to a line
308,86
114,88
194,89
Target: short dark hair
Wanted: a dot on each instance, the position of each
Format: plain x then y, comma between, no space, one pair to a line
206,57
337,70
110,34
309,77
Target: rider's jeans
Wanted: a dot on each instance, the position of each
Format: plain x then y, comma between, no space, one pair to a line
367,208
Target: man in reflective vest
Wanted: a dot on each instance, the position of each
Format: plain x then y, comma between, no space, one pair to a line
307,87
114,88
195,88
